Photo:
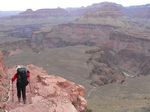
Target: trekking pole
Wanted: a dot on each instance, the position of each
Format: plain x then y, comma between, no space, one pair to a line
12,93
30,99
30,86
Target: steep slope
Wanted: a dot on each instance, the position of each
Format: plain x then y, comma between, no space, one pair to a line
108,66
2,66
47,93
50,93
93,34
73,34
3,82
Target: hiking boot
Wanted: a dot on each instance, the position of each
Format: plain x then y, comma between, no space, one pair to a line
19,100
24,101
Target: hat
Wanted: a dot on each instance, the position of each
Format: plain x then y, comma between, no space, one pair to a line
18,66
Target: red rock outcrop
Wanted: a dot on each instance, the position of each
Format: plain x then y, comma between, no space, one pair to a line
2,67
50,93
3,82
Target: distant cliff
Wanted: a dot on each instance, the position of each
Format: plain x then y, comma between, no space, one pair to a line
108,9
104,9
41,13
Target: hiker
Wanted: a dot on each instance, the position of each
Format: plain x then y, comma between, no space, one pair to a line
22,75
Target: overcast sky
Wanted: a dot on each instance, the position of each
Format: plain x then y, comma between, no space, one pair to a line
37,4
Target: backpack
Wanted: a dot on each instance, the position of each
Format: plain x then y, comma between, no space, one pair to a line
22,76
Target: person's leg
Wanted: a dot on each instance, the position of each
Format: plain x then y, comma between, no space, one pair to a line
18,92
24,94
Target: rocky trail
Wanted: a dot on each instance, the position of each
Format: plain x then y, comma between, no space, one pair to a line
48,93
45,93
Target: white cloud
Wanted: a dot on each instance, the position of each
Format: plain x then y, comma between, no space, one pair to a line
36,4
